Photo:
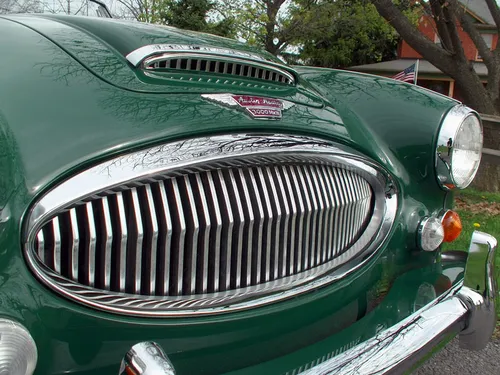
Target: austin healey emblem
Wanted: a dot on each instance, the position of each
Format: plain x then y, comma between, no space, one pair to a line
257,107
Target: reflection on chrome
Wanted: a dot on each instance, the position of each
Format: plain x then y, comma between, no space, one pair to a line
445,143
479,292
467,309
124,175
136,56
146,358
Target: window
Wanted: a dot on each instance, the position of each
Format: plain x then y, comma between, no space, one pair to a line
488,38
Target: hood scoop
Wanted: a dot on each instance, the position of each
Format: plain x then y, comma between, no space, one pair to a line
198,59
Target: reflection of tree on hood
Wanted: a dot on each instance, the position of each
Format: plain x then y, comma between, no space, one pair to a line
10,166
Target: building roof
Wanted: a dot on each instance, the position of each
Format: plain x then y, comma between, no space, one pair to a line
480,9
424,67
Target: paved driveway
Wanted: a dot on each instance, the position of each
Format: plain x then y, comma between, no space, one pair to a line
453,361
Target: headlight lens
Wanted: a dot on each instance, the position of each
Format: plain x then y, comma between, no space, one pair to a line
430,234
18,353
460,144
466,152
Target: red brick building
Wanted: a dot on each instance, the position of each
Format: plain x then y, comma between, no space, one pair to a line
428,75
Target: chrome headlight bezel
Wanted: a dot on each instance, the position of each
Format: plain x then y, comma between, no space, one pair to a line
450,127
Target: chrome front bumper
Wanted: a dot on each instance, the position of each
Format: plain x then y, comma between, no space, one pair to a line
467,309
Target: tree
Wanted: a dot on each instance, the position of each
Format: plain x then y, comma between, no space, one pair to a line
449,17
344,33
193,14
270,24
19,6
184,14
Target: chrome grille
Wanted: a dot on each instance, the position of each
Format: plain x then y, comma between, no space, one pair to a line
209,231
210,225
218,65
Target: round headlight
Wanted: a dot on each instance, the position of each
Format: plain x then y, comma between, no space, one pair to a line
18,353
460,144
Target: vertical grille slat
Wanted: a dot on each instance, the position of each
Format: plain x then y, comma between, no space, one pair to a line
222,254
202,231
276,229
205,252
107,232
254,267
121,239
307,213
299,225
268,221
40,245
74,244
91,270
285,212
150,212
136,246
226,221
57,244
180,234
237,249
165,236
191,241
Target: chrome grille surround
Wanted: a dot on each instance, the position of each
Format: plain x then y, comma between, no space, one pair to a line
140,176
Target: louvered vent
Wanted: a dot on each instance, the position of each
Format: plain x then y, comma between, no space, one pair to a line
216,65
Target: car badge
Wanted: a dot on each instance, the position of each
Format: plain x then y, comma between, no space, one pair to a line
257,107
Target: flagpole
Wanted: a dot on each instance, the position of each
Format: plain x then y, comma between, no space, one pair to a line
416,71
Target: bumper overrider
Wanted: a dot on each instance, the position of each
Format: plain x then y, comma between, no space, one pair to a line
467,309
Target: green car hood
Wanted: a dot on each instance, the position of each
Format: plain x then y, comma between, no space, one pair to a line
102,46
69,98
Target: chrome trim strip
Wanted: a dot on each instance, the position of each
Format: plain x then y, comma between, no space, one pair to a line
136,56
191,155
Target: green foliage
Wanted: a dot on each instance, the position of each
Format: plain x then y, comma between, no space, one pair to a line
188,15
345,33
269,24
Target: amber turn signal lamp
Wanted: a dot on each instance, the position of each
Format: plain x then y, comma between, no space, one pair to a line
452,226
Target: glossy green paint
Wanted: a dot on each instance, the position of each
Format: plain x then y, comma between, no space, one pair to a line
62,110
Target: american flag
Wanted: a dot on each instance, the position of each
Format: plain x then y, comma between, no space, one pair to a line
408,75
